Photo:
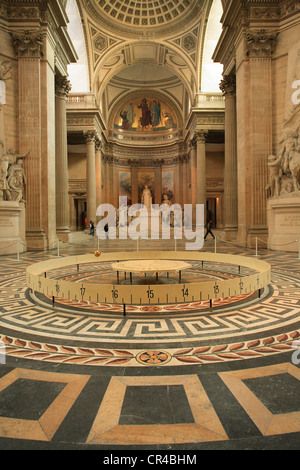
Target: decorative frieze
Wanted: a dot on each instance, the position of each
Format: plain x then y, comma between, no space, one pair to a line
22,12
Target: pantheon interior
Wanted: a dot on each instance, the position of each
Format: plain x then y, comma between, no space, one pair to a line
115,343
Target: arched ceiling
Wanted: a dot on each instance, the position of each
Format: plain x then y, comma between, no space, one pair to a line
151,45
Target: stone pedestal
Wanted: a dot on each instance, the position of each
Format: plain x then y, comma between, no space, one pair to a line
12,222
284,223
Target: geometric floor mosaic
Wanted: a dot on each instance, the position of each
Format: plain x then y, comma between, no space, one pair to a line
174,377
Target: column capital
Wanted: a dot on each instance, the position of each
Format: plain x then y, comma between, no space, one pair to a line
133,163
228,84
28,44
193,143
98,144
200,136
261,44
90,136
158,162
62,86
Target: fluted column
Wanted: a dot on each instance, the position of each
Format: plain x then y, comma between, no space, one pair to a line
158,181
201,168
228,86
62,87
115,186
183,180
29,50
193,146
134,181
260,48
99,170
91,195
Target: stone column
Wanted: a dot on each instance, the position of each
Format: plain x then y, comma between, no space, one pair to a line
193,146
260,48
98,159
115,184
183,180
105,191
201,168
62,87
158,181
228,86
134,180
29,49
91,196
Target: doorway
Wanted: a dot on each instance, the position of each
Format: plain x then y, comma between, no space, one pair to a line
211,211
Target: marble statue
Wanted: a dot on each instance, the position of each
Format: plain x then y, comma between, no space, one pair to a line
284,169
16,181
12,176
275,173
147,198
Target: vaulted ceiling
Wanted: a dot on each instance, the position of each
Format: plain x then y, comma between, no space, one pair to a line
144,46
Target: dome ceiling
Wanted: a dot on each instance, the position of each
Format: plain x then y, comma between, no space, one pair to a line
133,16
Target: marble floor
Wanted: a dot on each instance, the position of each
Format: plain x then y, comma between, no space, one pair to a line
162,378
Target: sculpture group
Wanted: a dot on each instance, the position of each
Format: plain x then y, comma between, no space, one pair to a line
12,176
284,169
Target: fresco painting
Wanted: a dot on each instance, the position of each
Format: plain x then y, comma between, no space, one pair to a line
145,114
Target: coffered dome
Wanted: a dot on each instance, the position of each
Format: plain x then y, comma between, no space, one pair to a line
133,16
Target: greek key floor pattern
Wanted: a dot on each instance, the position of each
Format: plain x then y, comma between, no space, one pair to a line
161,376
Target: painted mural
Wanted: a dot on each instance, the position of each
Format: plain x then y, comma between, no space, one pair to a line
145,114
125,184
168,185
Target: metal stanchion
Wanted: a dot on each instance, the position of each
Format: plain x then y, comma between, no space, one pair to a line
18,250
256,247
215,244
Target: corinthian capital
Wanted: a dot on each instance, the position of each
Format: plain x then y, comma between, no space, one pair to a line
28,44
261,43
90,136
62,86
228,84
200,136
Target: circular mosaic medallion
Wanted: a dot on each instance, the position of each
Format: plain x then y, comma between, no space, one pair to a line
153,358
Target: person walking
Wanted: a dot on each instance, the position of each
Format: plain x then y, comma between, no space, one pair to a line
208,229
92,228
